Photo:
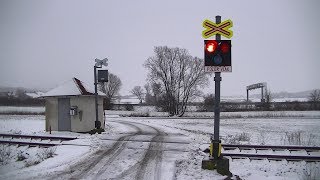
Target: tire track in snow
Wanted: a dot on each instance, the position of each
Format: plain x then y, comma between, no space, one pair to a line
150,165
153,154
117,153
81,169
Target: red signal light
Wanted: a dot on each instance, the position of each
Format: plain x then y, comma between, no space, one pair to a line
217,53
224,47
211,46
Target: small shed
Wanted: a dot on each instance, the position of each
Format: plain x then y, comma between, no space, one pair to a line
71,107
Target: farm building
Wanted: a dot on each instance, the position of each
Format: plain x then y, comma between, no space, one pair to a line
71,107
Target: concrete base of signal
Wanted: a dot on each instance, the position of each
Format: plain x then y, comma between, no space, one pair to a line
221,164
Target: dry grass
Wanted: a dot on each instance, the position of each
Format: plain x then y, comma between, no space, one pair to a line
298,138
5,153
237,139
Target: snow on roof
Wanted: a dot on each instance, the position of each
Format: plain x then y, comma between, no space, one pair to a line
74,87
35,94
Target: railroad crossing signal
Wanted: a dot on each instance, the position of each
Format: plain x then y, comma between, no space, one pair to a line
217,55
213,28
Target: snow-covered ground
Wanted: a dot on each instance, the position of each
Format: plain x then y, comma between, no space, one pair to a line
224,115
255,99
178,161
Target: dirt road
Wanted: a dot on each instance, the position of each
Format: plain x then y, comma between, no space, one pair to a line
142,154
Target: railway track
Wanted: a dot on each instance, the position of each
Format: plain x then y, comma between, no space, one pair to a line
272,157
277,157
37,137
269,147
18,139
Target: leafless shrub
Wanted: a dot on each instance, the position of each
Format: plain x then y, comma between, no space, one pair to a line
272,115
32,162
136,114
244,137
235,139
311,172
21,156
298,138
208,103
12,131
5,153
129,107
262,138
46,153
294,138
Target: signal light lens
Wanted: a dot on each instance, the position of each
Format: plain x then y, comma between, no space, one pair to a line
225,47
211,46
217,59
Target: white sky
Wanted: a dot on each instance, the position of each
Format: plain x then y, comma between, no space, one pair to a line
45,43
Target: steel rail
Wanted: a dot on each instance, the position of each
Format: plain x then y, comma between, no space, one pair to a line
21,143
39,137
262,147
272,157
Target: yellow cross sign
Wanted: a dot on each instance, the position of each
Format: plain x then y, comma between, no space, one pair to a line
213,28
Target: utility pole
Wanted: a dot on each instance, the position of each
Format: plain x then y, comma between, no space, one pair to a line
97,123
99,63
217,79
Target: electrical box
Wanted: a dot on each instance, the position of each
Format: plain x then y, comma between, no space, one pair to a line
73,110
102,75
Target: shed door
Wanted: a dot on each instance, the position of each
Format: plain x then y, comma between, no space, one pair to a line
64,121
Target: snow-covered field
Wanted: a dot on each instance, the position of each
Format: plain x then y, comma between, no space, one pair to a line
21,110
223,115
22,124
245,128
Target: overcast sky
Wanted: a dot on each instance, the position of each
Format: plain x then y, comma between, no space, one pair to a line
45,43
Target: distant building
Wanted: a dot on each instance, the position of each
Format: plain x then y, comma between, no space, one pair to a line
71,107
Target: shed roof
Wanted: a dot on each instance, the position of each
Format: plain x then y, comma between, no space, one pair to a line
73,87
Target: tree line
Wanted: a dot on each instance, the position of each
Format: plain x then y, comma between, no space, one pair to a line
19,98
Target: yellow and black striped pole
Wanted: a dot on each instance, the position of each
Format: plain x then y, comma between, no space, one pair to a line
215,149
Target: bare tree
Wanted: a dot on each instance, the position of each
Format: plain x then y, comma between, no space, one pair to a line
208,102
179,74
147,88
148,97
268,96
268,99
110,88
156,90
138,91
314,96
20,94
314,99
